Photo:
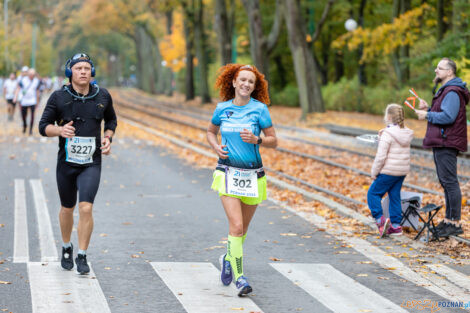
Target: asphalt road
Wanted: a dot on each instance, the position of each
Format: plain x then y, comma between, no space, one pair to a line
159,231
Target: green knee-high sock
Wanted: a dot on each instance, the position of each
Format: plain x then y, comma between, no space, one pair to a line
227,256
235,255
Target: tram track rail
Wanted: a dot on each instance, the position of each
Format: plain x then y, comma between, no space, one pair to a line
284,150
203,115
330,203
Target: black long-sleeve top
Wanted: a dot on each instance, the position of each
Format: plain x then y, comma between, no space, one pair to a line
86,115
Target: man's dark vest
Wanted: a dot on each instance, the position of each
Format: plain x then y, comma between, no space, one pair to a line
452,135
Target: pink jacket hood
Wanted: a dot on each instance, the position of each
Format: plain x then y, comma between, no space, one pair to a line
401,135
393,152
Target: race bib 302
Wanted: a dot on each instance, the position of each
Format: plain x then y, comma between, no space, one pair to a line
241,182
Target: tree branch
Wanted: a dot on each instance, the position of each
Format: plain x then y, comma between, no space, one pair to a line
276,28
322,21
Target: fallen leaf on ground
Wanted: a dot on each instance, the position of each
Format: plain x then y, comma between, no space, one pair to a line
288,234
275,259
362,275
5,282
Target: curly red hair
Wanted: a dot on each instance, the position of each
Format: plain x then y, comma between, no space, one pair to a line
228,73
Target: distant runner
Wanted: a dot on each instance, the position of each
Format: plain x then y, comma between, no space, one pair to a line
9,88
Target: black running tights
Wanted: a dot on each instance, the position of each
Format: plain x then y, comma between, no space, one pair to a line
24,114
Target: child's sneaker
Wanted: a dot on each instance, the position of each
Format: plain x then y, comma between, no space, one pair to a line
225,270
383,226
242,286
395,231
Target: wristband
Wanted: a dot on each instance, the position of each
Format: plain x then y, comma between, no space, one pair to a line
260,140
110,138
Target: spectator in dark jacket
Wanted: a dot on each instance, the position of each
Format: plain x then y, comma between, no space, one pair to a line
446,134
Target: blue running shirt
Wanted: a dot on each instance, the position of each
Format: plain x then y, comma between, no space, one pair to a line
232,119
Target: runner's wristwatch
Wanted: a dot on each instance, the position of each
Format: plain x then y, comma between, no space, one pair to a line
260,140
110,138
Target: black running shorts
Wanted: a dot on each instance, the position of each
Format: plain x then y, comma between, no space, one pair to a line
71,179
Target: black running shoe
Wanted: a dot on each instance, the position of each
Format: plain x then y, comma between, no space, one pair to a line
441,225
82,265
450,230
67,258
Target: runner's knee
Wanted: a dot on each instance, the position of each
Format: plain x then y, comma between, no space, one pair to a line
85,208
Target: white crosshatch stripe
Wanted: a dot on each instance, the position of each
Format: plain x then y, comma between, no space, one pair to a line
435,284
46,237
198,288
335,290
54,290
454,276
20,240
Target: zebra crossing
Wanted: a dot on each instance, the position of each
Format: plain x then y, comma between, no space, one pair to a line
195,285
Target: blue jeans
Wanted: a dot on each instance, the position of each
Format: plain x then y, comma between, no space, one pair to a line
381,185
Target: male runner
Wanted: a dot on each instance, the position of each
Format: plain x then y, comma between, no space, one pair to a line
74,114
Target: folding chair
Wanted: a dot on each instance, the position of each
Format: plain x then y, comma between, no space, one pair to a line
428,224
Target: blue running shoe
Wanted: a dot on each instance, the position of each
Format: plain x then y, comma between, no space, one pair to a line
225,270
242,286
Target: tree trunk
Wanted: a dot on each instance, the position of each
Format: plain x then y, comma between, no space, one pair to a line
305,70
440,19
405,50
362,68
257,42
339,66
188,25
281,71
201,51
224,31
396,55
261,46
165,77
146,78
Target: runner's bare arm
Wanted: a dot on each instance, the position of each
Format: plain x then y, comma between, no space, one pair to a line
106,142
212,132
269,141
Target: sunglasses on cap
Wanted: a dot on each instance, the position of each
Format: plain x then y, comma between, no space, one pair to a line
80,56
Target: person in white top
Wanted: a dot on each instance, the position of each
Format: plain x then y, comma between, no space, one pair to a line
29,89
9,88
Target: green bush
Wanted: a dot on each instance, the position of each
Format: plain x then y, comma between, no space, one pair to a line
347,95
289,96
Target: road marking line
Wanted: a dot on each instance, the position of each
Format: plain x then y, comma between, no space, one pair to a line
198,288
54,290
454,276
20,241
335,290
438,286
431,283
46,237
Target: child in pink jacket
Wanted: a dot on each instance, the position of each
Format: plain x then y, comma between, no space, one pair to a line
391,164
